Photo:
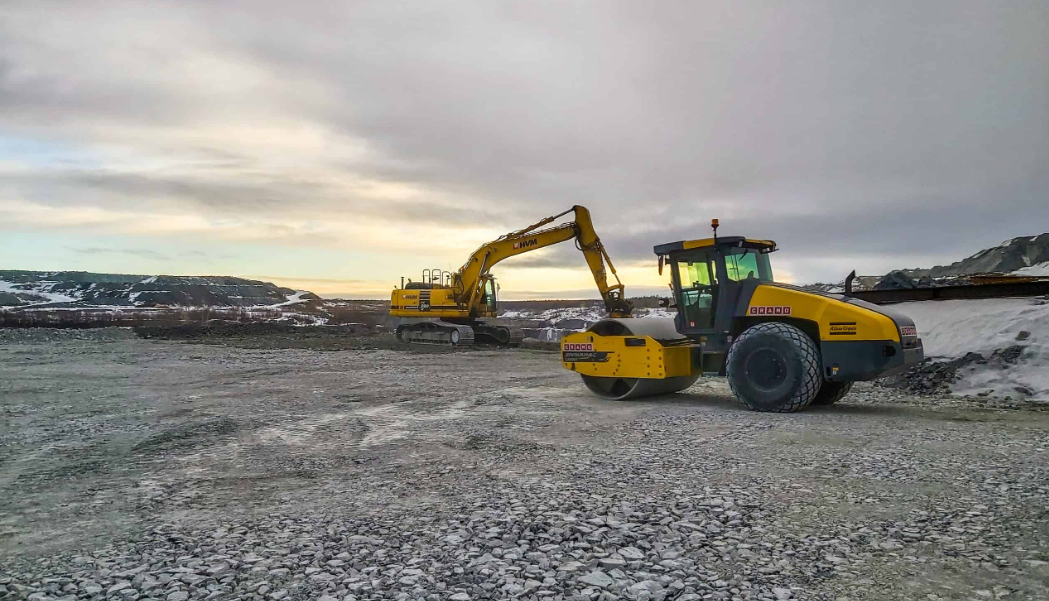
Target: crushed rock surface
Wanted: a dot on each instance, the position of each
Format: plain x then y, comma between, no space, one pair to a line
144,469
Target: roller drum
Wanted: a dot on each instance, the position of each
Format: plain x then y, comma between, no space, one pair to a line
659,328
621,389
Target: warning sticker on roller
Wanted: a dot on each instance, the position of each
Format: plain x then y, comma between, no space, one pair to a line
774,310
577,346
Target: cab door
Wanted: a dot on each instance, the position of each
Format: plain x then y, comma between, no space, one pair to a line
705,297
696,288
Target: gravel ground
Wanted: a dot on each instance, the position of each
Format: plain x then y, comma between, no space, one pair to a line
145,469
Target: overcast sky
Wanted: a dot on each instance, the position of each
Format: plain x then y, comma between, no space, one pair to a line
338,146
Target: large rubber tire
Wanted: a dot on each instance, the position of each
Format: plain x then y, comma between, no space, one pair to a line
774,367
831,392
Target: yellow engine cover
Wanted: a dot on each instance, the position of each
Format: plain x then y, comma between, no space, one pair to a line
837,320
624,356
437,303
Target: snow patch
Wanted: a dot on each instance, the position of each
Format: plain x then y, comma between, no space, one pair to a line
588,314
133,297
38,289
1038,269
584,313
293,299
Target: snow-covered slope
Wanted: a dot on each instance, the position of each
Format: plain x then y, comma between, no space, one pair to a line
953,328
1009,256
81,289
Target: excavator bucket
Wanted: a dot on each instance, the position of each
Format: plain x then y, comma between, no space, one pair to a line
621,359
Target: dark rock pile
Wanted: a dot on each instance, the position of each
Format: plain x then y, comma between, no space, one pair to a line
899,280
935,376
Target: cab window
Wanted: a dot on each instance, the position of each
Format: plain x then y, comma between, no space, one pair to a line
747,263
489,295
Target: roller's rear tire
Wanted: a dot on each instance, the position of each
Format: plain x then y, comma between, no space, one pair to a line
774,367
831,392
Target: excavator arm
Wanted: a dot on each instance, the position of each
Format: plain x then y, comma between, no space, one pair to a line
469,281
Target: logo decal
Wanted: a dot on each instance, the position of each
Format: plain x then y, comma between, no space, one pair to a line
909,330
843,328
770,310
526,243
584,357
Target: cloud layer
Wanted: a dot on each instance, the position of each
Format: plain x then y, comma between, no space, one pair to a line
868,135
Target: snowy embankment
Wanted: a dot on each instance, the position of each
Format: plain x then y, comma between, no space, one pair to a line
952,328
588,314
1037,270
551,325
39,294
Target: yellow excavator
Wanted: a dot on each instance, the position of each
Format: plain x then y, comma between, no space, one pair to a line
781,347
450,308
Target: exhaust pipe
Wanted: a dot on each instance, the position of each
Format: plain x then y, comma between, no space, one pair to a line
848,282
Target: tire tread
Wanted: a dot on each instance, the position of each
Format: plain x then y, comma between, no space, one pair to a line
811,378
831,392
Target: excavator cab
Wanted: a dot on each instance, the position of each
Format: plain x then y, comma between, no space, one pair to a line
489,301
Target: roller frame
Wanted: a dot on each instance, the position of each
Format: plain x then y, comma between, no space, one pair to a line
661,332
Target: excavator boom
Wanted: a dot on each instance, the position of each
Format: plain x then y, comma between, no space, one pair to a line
470,278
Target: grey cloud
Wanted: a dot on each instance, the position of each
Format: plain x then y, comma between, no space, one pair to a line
886,133
231,194
136,252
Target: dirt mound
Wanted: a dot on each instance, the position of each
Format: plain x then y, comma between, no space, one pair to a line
241,330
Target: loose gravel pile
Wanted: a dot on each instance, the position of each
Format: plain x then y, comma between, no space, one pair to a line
12,336
160,470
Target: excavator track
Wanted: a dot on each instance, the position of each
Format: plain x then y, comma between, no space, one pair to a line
445,333
436,332
493,334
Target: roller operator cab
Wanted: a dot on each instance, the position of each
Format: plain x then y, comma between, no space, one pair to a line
781,347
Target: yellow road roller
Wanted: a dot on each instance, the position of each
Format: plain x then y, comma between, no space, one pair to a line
782,348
